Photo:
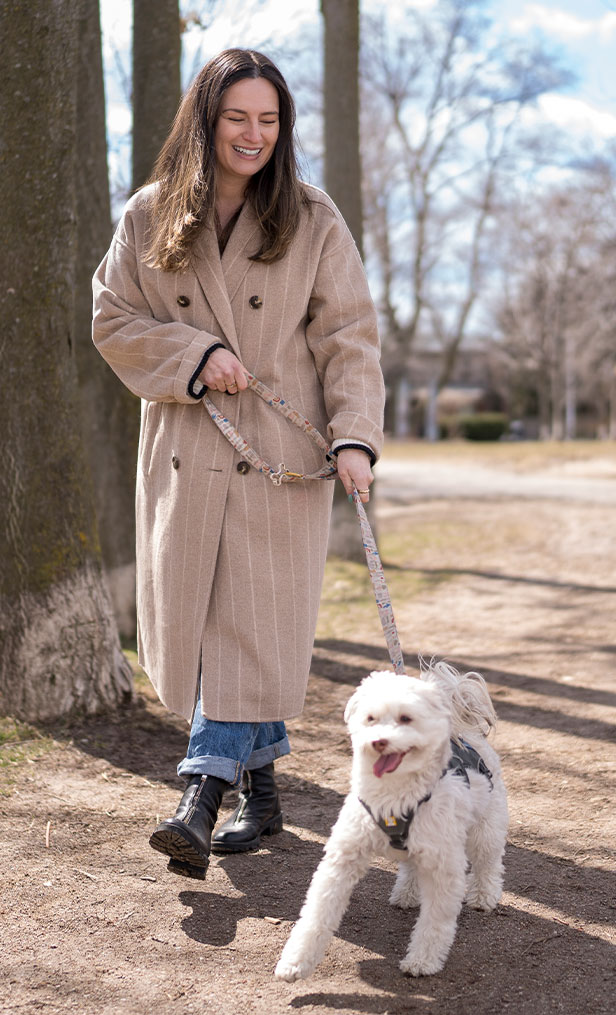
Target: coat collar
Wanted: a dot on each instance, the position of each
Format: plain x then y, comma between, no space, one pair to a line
221,278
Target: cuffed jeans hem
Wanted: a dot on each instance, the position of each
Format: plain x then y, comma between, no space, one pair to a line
228,769
222,768
263,755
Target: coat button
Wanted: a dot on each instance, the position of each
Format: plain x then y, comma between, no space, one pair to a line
183,301
243,468
175,461
255,302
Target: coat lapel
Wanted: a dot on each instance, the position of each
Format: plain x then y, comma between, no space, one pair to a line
244,241
220,280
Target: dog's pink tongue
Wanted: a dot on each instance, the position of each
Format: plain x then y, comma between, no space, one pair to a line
386,763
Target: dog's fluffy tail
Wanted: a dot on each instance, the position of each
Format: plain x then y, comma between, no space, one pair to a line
472,712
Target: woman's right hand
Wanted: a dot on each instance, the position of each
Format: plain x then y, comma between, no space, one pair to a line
224,372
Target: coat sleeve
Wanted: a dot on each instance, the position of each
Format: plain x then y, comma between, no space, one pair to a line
158,361
342,334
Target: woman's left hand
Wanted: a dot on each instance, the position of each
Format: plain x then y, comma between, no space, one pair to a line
354,468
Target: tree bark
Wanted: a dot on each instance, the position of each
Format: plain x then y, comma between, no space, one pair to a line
59,647
343,184
156,80
341,93
110,413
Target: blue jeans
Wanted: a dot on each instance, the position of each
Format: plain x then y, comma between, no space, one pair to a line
225,749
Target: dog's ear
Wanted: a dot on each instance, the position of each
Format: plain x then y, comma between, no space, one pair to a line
353,702
351,707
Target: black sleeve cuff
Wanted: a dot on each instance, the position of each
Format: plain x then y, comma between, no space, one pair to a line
356,447
194,379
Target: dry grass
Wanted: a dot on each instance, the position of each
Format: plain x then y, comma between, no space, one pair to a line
348,609
523,456
20,744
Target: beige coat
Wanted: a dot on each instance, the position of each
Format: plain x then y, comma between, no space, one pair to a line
229,566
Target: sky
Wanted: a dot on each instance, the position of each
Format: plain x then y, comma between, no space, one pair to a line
582,31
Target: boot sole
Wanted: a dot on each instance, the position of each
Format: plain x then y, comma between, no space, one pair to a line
184,857
273,827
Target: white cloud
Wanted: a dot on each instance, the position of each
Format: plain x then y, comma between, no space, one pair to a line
119,118
576,115
565,25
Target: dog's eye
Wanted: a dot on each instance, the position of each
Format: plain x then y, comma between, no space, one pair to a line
369,718
405,718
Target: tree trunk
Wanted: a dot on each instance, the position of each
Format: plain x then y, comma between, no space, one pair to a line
341,88
403,395
343,184
612,407
570,391
431,423
59,651
543,400
110,412
156,80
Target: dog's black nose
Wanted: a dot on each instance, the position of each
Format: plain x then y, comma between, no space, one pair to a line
380,745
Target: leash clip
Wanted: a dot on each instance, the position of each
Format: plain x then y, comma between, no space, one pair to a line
276,477
283,473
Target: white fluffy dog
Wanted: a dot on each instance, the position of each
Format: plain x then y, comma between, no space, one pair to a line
426,790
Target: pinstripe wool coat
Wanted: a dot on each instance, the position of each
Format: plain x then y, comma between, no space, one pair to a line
229,566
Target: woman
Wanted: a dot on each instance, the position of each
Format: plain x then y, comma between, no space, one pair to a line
224,263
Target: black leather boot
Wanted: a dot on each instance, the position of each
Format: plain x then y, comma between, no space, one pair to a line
257,813
185,838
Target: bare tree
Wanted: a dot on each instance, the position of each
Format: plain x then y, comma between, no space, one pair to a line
110,412
444,104
198,18
59,648
554,315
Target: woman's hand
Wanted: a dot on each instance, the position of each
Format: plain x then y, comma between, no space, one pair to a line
354,468
224,372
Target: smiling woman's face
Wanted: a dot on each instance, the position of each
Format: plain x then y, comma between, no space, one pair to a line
246,130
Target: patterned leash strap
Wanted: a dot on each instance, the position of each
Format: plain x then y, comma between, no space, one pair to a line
327,471
379,587
281,474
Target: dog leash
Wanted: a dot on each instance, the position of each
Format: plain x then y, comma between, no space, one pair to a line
379,587
327,471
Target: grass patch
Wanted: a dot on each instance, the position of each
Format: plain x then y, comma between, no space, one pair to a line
400,543
20,743
519,455
348,608
140,678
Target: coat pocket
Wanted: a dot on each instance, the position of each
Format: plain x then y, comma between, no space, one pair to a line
150,431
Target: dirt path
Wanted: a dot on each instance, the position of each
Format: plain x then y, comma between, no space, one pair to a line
92,923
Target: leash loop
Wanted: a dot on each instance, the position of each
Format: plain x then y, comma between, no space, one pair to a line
328,471
281,474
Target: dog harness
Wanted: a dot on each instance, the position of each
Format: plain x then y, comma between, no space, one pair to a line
463,757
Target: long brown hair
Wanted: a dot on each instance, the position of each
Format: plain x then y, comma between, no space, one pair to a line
185,171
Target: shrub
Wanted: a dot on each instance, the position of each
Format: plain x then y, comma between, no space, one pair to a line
483,426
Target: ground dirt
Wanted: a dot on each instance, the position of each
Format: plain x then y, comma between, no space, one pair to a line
525,592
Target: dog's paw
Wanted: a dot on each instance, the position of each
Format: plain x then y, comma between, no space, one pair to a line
291,971
485,898
403,898
485,902
420,966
